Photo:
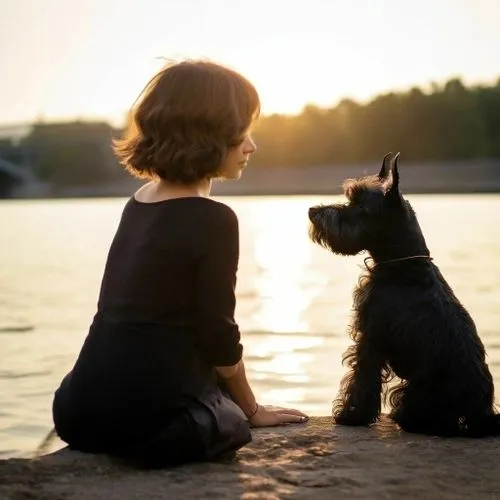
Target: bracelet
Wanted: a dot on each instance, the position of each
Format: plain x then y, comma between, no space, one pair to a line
254,412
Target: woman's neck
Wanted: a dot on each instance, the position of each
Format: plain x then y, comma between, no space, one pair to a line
165,190
201,188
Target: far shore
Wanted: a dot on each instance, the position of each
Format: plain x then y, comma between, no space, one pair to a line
459,177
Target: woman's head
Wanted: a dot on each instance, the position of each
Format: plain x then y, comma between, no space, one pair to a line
191,123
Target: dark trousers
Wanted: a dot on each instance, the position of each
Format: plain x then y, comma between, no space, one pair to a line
209,427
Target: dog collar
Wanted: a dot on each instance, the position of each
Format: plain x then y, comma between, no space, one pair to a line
400,259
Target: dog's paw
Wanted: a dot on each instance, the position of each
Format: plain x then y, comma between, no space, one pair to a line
353,418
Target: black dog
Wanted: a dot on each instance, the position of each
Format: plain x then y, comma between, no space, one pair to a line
407,321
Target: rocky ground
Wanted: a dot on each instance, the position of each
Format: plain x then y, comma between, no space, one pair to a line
314,460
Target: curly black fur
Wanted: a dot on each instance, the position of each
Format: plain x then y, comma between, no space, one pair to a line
407,321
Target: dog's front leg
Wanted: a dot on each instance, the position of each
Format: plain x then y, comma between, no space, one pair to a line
359,398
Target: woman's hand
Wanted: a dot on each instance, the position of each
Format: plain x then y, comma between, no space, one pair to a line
270,416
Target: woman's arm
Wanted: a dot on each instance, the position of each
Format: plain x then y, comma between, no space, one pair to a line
218,335
259,416
236,382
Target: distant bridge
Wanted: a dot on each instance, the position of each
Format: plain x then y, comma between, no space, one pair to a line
14,132
16,172
14,176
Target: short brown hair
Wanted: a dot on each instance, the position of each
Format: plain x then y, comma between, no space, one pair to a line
185,120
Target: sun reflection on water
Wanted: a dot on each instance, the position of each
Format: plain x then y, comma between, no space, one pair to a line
285,286
283,256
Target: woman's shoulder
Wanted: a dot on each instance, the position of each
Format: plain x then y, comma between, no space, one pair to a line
219,208
217,215
199,207
148,198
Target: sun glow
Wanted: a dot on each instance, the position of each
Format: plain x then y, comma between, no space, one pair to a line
90,59
285,288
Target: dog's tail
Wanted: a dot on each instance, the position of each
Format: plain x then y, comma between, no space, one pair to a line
489,426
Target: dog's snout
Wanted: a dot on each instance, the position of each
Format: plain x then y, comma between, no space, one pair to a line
312,212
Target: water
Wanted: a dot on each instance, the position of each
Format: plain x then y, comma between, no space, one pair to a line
294,298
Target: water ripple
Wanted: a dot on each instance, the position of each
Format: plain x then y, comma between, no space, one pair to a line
16,329
15,375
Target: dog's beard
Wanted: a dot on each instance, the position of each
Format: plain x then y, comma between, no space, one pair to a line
330,229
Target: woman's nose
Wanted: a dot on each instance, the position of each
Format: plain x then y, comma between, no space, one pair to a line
250,146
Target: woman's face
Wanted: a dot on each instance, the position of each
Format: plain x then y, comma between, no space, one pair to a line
237,158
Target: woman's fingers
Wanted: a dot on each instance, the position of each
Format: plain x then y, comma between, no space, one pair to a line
271,416
277,415
287,418
290,411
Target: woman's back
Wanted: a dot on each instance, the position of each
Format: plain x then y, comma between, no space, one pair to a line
153,342
150,271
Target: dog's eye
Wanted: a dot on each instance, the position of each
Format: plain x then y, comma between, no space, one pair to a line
364,209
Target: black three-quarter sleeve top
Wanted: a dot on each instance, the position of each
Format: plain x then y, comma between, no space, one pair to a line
165,316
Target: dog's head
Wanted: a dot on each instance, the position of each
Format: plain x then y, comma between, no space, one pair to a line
375,218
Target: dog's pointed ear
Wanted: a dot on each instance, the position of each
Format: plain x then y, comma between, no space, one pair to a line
395,171
393,181
386,164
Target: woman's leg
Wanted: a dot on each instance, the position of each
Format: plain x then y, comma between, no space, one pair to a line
211,428
179,442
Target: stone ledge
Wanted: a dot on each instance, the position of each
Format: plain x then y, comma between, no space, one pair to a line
314,460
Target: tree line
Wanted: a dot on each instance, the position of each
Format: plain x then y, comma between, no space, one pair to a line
449,122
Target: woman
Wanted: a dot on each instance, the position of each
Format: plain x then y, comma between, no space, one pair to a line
160,377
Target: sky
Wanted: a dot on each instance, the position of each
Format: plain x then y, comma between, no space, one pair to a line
89,59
